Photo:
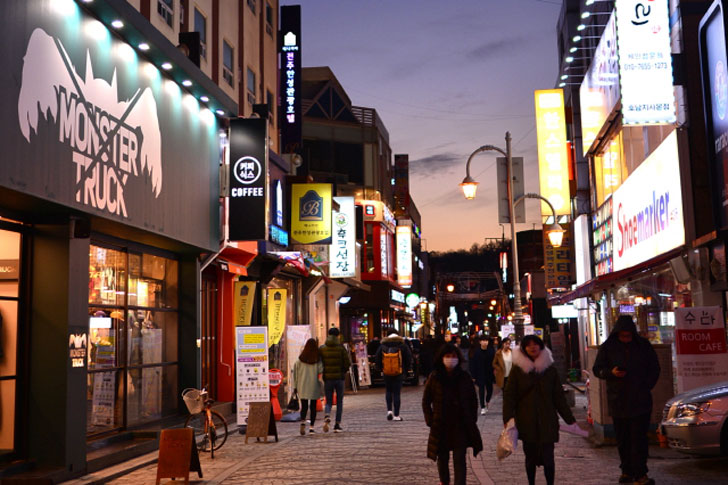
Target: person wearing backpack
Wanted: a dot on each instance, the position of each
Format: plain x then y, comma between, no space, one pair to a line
393,359
336,364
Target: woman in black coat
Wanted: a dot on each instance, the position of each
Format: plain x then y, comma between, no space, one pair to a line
451,413
481,368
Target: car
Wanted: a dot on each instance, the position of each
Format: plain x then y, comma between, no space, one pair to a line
696,421
412,376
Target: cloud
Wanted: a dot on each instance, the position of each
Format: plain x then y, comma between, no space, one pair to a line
439,163
496,48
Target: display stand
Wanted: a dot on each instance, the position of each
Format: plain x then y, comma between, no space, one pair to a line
261,422
177,455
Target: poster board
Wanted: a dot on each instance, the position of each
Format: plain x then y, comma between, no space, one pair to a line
261,422
177,455
251,362
700,346
362,363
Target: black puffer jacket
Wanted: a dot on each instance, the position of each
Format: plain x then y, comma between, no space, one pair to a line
392,344
335,358
481,365
451,411
631,395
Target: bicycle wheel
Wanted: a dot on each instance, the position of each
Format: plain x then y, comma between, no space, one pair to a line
218,430
197,423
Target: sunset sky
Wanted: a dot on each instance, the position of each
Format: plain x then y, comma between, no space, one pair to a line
446,78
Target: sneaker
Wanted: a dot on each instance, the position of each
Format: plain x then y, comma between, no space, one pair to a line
311,430
483,411
644,480
337,428
389,415
303,428
327,422
398,418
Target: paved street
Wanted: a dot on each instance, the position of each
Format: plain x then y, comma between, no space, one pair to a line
375,451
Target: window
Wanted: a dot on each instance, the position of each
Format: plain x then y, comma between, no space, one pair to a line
201,27
165,8
251,4
268,19
251,86
227,62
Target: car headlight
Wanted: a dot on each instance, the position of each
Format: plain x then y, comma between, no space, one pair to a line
690,409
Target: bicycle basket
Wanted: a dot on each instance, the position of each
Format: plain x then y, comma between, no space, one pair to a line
194,400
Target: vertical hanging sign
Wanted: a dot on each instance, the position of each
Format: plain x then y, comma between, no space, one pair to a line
311,213
404,256
251,359
248,214
343,240
276,314
553,157
244,298
290,119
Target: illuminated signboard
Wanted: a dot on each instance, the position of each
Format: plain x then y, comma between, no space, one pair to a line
383,253
602,237
404,256
648,209
248,179
645,62
290,84
553,156
599,92
558,263
343,240
311,213
398,296
714,71
412,300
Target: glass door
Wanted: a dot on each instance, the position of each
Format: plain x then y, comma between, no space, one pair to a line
10,250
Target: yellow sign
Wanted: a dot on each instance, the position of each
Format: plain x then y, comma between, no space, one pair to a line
610,169
276,314
553,155
558,262
311,213
244,298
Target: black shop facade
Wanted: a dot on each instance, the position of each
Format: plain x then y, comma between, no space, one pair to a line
109,189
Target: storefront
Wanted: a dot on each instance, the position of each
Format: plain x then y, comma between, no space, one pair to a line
101,230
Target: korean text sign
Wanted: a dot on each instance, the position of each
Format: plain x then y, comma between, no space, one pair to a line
558,262
404,256
251,359
343,240
700,343
553,157
311,213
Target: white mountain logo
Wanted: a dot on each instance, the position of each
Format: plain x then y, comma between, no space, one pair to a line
111,139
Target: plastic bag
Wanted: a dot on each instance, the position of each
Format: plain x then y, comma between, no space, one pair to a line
573,428
507,441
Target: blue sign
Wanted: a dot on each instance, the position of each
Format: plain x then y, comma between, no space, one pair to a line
278,235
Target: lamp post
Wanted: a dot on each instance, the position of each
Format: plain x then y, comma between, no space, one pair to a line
555,232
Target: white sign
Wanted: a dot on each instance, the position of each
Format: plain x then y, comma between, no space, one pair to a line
404,256
343,239
397,296
251,359
648,209
700,345
645,62
599,92
383,254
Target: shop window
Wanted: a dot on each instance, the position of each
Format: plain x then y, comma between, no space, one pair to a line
10,244
227,62
133,330
268,19
165,9
201,27
369,245
251,86
251,4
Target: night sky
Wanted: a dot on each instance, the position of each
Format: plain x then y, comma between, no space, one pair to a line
446,78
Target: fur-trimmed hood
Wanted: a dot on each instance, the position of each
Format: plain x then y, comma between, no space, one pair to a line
392,340
543,362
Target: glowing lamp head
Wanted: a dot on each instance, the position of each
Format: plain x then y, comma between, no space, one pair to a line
555,234
493,302
469,186
450,288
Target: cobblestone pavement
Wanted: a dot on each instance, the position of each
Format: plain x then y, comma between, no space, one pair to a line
373,450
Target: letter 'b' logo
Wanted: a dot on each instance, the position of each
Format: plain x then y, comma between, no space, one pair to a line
311,207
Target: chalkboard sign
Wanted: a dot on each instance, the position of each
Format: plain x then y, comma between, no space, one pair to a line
177,455
261,422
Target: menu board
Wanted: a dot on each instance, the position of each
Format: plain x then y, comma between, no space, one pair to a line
251,357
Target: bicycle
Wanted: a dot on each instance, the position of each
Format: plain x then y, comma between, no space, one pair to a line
207,424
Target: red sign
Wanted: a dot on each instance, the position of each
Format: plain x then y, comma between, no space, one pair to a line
700,341
275,378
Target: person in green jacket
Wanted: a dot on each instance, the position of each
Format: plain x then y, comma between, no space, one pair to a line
533,396
336,364
306,373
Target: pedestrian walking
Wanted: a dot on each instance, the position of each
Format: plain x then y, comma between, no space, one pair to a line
451,412
463,343
502,363
393,360
481,368
533,396
629,365
306,373
336,363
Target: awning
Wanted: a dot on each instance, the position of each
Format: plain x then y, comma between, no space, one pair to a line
605,281
236,256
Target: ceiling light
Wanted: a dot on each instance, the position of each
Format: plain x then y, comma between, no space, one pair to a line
585,15
576,38
117,24
564,77
569,59
573,49
220,112
144,46
204,99
562,84
580,27
187,83
166,66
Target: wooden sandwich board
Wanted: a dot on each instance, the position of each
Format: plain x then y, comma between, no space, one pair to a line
261,422
177,455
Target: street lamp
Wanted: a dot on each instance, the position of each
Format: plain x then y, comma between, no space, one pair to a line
554,232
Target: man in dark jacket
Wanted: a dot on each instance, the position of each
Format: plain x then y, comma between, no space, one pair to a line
394,344
629,365
336,363
481,368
